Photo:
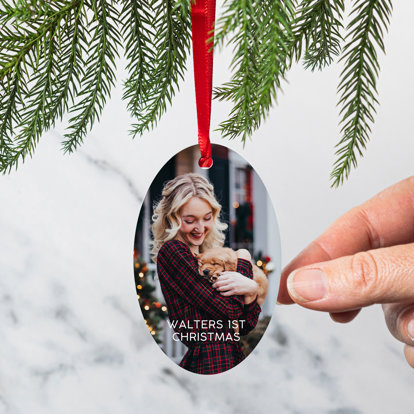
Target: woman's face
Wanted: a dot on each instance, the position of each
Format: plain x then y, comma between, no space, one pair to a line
196,221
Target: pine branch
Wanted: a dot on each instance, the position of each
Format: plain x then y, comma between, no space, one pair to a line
99,75
70,68
30,61
274,52
54,83
10,84
358,84
59,56
33,116
27,40
262,36
10,100
138,34
172,26
318,26
240,18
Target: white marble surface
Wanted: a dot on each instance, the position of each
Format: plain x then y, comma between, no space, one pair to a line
72,338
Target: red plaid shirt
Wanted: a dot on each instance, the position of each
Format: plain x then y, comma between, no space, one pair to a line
200,315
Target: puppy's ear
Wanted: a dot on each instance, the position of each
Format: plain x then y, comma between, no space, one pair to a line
231,260
230,264
197,255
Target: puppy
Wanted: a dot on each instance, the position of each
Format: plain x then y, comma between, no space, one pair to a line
215,261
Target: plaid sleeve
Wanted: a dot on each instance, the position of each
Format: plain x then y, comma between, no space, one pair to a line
178,269
251,311
250,317
245,268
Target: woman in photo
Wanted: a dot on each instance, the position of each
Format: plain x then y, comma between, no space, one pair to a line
186,222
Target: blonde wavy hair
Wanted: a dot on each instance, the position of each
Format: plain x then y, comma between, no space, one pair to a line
166,218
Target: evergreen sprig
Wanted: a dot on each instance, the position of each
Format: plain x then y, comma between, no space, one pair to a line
358,84
99,76
317,30
239,20
162,69
41,57
10,100
43,49
138,33
261,33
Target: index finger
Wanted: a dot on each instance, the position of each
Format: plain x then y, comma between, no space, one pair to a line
385,220
228,273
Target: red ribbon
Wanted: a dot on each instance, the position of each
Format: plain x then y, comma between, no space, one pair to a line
202,18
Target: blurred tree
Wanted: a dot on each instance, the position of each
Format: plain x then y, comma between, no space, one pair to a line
153,311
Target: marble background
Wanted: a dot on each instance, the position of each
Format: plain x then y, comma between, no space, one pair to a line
72,338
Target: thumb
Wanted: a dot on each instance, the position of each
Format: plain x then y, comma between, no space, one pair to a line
376,276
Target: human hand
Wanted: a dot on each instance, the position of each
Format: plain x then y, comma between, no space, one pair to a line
365,257
234,283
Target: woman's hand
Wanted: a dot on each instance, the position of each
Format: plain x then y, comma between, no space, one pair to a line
234,283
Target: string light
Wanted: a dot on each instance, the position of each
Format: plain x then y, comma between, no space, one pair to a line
150,305
265,263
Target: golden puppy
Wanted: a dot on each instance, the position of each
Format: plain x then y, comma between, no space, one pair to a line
215,261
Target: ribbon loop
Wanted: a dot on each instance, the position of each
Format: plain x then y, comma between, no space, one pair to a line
202,19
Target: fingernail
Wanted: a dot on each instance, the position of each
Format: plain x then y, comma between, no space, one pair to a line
307,285
410,329
284,304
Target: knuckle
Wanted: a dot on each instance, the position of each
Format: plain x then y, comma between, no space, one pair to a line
364,271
